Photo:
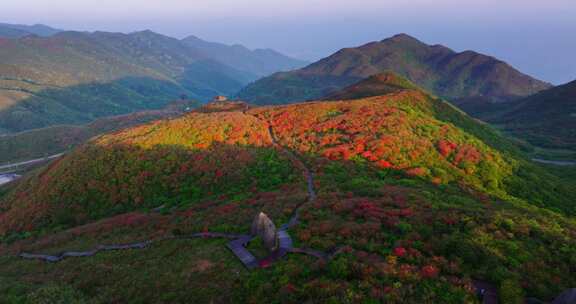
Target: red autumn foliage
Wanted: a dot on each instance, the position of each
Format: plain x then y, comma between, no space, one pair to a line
429,271
399,251
206,148
416,171
448,220
304,235
368,209
289,288
376,129
265,263
226,209
467,153
446,147
383,164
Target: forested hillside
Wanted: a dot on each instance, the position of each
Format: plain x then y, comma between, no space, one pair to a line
396,198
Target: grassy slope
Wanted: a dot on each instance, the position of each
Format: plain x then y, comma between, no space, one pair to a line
449,207
532,182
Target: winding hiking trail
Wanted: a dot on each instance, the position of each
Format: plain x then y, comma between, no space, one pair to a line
138,245
487,292
239,241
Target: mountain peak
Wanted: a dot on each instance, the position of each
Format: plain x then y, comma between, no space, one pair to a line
402,37
192,38
375,85
460,77
147,33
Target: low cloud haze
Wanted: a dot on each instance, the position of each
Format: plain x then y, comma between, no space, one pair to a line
536,37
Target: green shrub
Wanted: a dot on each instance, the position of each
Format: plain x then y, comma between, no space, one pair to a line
511,292
57,295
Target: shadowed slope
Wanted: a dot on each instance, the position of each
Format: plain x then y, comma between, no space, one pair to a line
545,119
57,139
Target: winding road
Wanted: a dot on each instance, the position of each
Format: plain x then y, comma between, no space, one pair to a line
555,162
9,175
30,162
6,178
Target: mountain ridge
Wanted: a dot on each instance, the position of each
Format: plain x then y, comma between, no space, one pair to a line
257,61
449,74
21,30
546,119
75,77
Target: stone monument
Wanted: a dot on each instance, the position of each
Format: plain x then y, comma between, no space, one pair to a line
263,227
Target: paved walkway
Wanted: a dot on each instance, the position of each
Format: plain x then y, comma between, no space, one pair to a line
238,247
487,292
99,248
139,245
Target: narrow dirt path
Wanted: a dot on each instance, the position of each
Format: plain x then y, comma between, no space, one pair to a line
295,158
294,218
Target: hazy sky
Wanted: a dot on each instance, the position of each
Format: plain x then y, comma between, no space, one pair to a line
536,36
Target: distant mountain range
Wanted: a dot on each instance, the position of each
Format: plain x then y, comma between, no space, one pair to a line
76,77
545,119
459,77
50,77
19,30
260,62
